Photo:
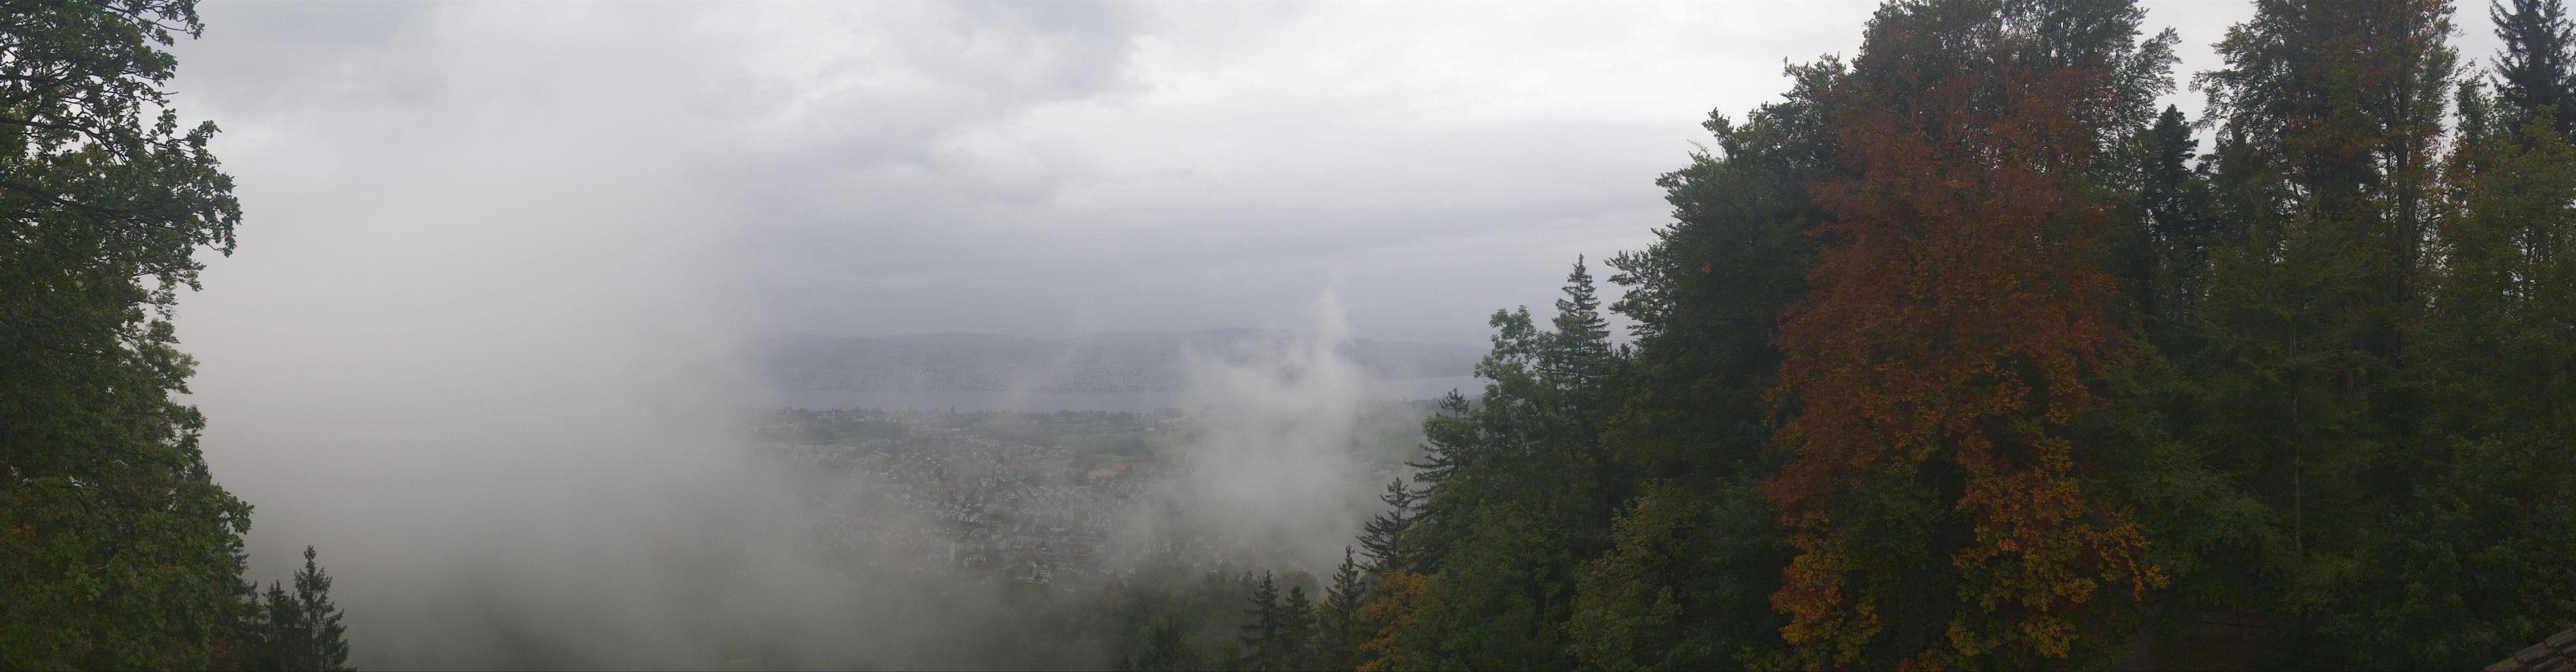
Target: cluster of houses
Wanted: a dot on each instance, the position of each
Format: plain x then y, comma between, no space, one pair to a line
969,502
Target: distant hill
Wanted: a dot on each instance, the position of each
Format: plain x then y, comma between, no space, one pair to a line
1095,363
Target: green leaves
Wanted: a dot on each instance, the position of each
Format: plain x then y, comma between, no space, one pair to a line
116,549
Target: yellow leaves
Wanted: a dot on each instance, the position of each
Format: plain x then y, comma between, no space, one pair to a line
1398,607
1821,617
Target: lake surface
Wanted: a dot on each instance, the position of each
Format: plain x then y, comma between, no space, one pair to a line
1134,401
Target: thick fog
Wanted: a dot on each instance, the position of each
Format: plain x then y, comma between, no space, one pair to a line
484,340
1272,469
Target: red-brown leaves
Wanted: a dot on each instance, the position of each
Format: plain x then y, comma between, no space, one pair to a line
1953,318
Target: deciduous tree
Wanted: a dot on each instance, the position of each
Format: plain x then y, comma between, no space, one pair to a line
1939,507
117,549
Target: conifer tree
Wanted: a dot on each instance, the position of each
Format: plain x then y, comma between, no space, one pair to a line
1583,366
1707,295
1515,501
1296,645
1383,536
2538,66
2180,230
1695,555
1337,623
1262,643
299,630
1582,334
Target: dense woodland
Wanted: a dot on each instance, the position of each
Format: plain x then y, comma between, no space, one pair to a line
117,548
1964,355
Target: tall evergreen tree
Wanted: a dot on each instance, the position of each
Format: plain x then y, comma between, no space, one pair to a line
1514,504
1706,297
1582,366
299,630
1296,645
2538,67
2180,230
1384,537
1263,645
1339,629
1583,332
1695,556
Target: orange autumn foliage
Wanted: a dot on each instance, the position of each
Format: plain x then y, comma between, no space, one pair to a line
1956,311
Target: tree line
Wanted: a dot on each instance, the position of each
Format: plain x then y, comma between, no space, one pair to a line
117,548
1962,354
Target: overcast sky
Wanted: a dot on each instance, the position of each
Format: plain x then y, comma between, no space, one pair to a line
1036,169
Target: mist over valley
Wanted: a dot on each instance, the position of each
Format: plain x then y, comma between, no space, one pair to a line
1915,334
1107,372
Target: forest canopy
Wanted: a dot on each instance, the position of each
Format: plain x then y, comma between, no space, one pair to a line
1962,354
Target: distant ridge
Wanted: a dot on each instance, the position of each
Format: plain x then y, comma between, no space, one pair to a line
1104,362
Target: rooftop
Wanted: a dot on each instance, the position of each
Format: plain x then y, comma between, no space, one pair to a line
2555,654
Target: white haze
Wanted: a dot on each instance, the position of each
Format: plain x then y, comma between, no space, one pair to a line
479,342
1275,467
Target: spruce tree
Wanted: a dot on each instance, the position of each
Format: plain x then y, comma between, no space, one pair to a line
1296,645
1516,498
1337,622
2180,230
1583,365
1383,536
2538,67
1695,555
299,630
1261,637
1582,333
1707,295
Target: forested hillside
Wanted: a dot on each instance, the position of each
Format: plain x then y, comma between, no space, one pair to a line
1964,355
117,548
